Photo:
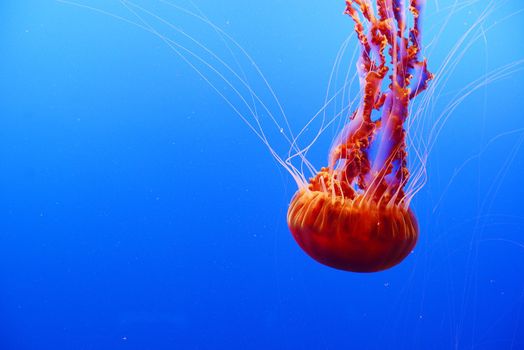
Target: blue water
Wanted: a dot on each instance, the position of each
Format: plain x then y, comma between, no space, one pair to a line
137,211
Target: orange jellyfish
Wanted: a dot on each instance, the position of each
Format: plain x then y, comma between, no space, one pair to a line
354,214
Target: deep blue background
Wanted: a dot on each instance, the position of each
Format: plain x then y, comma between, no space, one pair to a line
138,212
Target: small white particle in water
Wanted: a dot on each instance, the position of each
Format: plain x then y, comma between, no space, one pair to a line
386,284
124,338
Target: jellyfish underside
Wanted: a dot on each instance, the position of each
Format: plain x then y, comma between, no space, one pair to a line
354,214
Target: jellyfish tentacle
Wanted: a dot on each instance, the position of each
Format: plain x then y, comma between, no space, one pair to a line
381,177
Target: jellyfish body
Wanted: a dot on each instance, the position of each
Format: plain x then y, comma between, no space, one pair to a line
354,214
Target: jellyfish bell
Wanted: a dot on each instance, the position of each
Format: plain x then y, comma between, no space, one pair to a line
350,235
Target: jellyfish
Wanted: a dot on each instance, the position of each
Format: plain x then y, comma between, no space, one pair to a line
354,214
